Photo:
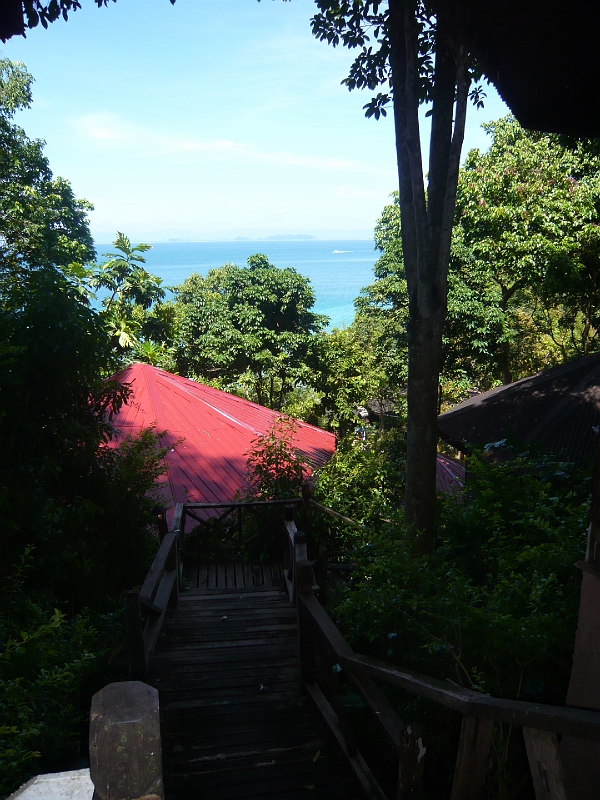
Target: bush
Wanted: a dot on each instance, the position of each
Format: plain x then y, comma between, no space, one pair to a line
494,608
364,481
43,663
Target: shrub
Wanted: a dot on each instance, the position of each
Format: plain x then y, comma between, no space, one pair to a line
494,608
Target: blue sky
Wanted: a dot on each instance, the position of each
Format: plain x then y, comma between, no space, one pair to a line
210,120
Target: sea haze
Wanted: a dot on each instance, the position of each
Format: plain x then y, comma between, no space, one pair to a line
337,270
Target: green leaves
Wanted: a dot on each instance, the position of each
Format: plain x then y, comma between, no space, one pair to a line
275,469
15,87
248,329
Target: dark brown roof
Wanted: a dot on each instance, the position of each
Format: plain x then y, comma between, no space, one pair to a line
557,409
542,56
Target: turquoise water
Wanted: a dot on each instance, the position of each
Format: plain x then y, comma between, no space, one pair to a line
337,270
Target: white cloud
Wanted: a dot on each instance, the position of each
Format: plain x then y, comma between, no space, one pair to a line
112,130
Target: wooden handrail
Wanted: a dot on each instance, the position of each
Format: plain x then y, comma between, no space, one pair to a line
560,719
157,569
159,591
540,722
353,523
247,503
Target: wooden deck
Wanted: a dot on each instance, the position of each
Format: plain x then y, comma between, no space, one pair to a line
210,576
234,722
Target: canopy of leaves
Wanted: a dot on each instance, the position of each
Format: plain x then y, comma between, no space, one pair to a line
132,303
365,25
527,213
41,220
523,282
248,328
82,505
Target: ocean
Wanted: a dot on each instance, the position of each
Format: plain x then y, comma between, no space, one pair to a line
337,270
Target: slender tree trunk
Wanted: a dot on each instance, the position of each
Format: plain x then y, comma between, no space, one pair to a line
426,226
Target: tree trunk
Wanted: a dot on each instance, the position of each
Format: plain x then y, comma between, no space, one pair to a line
426,226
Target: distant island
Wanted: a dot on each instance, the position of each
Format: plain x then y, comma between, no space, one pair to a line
280,237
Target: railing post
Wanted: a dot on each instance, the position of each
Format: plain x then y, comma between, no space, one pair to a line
134,637
160,512
544,763
125,743
172,563
178,527
472,757
322,574
308,489
179,522
306,642
411,763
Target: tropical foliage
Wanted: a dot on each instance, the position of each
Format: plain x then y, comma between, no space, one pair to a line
75,507
248,329
522,285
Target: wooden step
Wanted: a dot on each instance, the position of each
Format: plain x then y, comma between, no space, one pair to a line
233,720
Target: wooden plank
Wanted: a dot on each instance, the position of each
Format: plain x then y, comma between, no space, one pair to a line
154,624
410,769
544,763
248,504
471,761
256,614
239,575
266,574
176,526
208,702
202,575
363,774
221,576
248,579
353,523
576,722
158,566
230,574
292,531
212,576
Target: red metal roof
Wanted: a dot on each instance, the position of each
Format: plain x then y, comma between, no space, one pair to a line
209,433
450,475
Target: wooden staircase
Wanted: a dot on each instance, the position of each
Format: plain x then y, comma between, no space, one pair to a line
234,721
250,703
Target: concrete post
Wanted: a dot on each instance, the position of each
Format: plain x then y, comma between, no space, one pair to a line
125,744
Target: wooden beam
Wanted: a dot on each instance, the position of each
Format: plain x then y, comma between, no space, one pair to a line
544,763
412,761
158,567
337,515
576,722
472,758
360,769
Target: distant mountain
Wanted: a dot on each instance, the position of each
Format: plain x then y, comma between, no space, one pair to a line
242,239
286,237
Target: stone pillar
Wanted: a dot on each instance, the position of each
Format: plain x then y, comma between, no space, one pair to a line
125,744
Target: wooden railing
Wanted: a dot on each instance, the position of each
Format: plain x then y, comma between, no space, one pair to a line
324,653
145,610
188,511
